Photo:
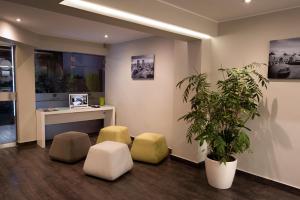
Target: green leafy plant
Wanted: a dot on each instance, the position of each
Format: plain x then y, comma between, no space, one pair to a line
219,116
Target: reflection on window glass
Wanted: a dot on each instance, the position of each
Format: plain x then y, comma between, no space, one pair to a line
6,113
6,74
61,72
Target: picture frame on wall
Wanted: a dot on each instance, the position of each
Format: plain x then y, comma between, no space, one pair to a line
284,59
142,67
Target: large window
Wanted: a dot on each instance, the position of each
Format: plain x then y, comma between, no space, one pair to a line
63,72
7,89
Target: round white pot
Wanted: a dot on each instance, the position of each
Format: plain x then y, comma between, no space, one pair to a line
220,175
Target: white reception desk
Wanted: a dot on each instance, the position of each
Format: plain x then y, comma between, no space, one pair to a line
66,115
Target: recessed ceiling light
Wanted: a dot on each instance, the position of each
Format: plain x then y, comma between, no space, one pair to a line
247,1
119,14
18,20
106,36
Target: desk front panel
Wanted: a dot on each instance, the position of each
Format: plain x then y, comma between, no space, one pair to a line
73,117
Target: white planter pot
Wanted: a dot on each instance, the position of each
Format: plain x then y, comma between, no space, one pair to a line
220,175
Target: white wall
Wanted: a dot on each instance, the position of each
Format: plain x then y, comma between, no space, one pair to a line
67,45
275,141
153,105
187,61
141,105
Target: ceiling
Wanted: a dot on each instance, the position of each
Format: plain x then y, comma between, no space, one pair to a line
56,24
64,26
225,10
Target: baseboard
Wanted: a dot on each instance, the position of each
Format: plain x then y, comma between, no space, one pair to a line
186,161
93,134
7,145
48,141
250,176
25,141
27,144
269,182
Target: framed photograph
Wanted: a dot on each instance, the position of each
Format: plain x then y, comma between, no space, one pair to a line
142,67
78,100
284,59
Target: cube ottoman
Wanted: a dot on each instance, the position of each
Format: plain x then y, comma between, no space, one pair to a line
114,133
150,148
70,146
108,160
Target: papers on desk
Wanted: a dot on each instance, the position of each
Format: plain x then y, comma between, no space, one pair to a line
50,109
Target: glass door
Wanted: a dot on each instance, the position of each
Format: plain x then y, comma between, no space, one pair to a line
7,95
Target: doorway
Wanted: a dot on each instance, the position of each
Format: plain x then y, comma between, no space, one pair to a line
8,117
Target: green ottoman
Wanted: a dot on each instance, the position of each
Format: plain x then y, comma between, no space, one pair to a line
149,147
70,147
114,133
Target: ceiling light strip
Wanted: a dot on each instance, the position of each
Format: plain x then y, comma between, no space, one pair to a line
119,14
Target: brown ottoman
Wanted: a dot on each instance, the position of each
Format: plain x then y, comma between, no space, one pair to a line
70,146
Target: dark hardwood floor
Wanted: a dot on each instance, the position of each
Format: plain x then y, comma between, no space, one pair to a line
27,173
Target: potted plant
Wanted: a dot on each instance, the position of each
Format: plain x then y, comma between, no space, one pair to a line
218,117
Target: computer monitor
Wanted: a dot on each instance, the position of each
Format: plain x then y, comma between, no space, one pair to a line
78,100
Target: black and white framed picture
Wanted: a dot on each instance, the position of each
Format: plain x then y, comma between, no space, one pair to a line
284,59
142,67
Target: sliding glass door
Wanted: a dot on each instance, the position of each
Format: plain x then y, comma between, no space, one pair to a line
7,95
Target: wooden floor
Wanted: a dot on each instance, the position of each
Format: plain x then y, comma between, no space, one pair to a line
27,173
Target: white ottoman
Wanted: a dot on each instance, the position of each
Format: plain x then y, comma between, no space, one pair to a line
108,160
